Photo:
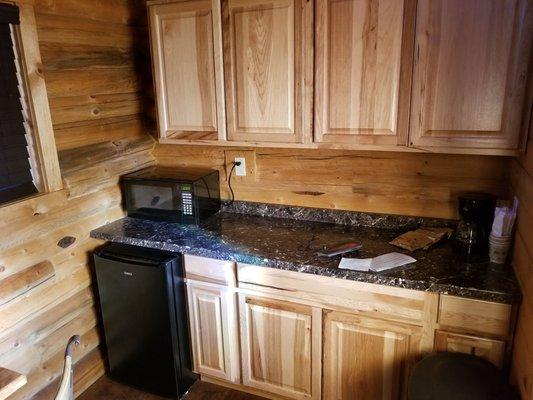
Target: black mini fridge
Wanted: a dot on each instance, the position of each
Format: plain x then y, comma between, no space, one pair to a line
142,304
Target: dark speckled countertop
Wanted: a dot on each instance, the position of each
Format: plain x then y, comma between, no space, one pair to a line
292,244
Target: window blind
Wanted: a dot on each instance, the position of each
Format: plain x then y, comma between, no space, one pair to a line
15,169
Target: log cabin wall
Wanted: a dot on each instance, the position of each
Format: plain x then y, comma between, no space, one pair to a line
94,57
521,181
396,183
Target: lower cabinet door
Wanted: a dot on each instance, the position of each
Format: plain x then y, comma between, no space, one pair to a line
366,358
280,344
214,331
489,349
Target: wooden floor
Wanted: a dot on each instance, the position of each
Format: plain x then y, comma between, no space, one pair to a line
105,388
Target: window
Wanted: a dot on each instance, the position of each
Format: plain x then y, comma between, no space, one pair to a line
16,179
28,156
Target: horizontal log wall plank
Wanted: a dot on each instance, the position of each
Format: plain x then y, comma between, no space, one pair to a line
86,371
19,283
521,183
69,136
117,11
95,62
411,184
83,157
86,82
61,29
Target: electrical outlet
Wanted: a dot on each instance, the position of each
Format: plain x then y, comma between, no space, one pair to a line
240,170
246,172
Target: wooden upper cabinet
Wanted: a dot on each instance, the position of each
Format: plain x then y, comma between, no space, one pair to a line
187,62
362,72
264,69
469,74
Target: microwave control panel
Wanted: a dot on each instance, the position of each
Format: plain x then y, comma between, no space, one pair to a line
186,199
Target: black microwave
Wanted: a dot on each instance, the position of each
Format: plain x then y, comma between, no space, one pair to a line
169,194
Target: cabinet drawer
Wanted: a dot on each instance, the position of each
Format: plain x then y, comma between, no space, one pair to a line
489,349
475,315
396,304
209,270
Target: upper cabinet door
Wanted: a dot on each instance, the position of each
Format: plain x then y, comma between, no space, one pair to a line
187,62
362,73
264,68
469,75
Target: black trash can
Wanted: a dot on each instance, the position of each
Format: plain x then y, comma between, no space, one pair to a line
453,376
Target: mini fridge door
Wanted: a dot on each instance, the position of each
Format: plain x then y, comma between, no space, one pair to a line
138,312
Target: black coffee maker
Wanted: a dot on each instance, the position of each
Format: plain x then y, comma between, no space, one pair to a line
472,233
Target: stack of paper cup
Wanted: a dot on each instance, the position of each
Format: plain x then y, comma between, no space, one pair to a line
499,248
502,230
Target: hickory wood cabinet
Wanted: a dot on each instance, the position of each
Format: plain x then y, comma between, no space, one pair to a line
280,343
212,311
367,358
410,75
363,55
187,63
265,64
291,335
470,71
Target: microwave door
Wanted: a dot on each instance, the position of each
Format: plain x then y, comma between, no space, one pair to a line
151,199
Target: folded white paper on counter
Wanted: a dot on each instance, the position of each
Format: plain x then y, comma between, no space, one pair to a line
376,264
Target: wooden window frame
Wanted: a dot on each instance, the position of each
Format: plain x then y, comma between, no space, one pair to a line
42,148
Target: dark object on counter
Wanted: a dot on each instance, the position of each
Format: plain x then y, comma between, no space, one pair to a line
445,376
142,304
472,233
340,249
187,196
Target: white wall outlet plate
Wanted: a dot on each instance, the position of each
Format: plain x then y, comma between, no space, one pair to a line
240,170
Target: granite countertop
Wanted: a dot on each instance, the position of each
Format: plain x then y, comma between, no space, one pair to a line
292,243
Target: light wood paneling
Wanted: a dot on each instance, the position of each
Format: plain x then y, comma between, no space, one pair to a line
470,73
475,315
366,359
10,382
489,349
366,336
209,270
521,184
278,342
94,72
361,48
102,11
187,60
522,362
214,331
265,70
21,282
392,303
412,184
